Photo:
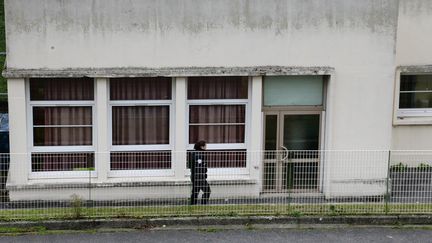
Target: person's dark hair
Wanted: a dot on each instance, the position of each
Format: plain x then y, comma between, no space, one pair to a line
199,145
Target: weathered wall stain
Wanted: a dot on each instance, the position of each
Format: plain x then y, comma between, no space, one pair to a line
196,16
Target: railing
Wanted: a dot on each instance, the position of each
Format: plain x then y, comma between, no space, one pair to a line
158,183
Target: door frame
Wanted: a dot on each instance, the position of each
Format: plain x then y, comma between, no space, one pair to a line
281,111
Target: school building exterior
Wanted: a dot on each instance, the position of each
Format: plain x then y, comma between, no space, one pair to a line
119,91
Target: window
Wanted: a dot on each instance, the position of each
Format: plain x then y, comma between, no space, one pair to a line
218,115
62,121
415,96
140,109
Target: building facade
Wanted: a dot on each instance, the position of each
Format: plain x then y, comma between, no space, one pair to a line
119,91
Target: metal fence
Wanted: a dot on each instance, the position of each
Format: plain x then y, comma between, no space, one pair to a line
158,183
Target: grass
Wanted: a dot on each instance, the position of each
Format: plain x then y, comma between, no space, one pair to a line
22,230
212,211
210,230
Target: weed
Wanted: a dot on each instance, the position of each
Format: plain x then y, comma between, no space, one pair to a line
250,226
401,167
296,214
210,230
76,203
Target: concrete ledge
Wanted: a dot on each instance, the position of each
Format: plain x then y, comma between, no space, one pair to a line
126,184
415,69
166,72
218,221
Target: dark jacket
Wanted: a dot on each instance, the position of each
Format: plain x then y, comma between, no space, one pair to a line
198,166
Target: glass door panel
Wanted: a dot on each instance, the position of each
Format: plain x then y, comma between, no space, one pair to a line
301,136
301,132
271,154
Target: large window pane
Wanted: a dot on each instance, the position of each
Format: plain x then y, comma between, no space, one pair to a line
140,125
217,123
62,126
293,90
218,88
61,89
140,88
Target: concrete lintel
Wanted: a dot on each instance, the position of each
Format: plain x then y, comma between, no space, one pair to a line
166,72
125,184
417,69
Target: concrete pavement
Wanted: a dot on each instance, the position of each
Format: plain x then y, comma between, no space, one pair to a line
247,234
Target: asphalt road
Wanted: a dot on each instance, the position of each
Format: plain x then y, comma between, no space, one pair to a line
247,235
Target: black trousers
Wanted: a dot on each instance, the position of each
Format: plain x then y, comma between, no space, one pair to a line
197,186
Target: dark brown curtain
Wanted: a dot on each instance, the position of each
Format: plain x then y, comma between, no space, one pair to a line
61,89
139,125
204,123
140,88
217,114
217,88
58,119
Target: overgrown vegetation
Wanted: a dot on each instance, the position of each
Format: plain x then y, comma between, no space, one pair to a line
76,203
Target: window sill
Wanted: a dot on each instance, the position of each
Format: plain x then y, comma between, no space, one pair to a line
140,173
128,183
410,121
62,175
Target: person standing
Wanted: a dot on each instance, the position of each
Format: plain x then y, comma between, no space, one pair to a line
198,167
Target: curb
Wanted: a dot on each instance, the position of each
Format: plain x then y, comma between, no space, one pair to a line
216,221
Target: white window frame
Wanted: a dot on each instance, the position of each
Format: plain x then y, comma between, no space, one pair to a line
222,146
60,149
407,116
142,148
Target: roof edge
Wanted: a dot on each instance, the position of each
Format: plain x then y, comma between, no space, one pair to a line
166,71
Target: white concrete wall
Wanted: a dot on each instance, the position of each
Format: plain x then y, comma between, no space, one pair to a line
357,38
414,36
414,47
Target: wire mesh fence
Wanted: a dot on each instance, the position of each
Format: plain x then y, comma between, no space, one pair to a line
166,183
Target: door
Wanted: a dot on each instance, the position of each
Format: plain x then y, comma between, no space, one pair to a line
292,143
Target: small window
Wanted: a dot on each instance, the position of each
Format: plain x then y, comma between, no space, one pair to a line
415,95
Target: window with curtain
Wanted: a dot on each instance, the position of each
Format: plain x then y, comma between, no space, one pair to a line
140,109
217,115
62,121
